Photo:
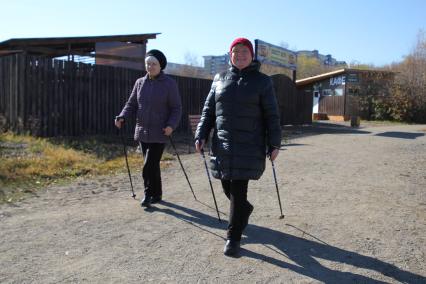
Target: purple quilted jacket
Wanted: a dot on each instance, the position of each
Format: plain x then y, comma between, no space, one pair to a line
157,104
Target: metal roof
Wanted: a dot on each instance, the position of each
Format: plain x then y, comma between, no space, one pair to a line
59,46
323,76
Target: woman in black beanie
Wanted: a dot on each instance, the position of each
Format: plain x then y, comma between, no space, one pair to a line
156,102
242,109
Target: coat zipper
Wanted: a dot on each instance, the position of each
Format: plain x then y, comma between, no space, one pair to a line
232,123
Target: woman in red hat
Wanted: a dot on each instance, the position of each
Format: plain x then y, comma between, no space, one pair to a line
242,109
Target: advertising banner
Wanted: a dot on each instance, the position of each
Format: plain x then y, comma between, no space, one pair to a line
271,54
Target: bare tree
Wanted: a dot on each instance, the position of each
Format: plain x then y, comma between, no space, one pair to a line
191,67
407,101
191,59
310,66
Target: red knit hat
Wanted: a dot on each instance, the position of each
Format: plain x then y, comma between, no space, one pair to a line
244,41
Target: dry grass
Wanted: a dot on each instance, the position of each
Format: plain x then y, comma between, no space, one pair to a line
28,164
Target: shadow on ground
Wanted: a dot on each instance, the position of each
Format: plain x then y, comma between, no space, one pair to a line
185,145
301,253
321,127
401,135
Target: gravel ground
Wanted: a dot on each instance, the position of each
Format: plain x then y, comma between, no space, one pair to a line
354,202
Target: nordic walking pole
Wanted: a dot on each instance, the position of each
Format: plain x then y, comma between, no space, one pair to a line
127,162
180,162
276,186
211,186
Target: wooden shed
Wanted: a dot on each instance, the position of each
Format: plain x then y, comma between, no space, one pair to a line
335,95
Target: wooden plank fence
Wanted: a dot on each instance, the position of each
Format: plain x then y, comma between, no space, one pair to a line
295,106
193,92
332,105
46,97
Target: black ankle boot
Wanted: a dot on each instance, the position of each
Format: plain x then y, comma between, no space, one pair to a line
156,199
146,202
232,248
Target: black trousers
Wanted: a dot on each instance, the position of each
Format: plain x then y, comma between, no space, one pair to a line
151,172
236,191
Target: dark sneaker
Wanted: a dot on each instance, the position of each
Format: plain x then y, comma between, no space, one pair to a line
156,199
232,248
146,202
250,210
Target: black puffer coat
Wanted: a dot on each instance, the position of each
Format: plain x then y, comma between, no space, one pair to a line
243,110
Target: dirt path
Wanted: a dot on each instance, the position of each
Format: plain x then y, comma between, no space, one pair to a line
354,204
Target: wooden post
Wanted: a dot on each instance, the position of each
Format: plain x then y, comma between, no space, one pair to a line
344,99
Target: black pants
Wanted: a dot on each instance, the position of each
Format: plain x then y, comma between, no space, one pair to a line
151,172
236,191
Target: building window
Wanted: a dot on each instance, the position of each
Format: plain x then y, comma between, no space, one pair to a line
338,92
327,92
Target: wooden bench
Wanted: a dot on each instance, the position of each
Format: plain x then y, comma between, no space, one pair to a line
193,119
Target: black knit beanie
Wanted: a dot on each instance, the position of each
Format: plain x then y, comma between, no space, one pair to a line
160,57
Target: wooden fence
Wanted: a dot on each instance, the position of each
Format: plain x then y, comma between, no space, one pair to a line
46,97
295,106
345,106
193,92
332,105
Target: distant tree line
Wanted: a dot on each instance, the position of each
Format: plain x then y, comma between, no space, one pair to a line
310,66
405,99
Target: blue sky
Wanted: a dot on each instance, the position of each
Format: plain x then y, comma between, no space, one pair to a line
366,31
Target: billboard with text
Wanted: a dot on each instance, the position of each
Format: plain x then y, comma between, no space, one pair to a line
271,54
